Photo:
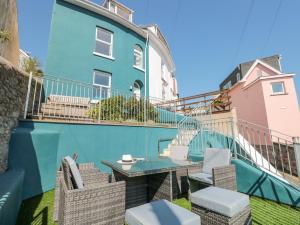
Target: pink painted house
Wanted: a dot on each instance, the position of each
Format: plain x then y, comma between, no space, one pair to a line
263,94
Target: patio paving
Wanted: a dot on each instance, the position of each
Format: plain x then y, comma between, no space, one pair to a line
39,210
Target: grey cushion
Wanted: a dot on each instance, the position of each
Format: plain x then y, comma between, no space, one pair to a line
179,152
75,172
202,177
223,201
215,157
160,212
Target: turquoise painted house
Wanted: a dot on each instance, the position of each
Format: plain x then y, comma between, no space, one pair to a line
90,44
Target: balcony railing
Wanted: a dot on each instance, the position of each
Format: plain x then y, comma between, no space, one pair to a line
64,99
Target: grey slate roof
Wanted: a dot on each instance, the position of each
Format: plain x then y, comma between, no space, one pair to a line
243,68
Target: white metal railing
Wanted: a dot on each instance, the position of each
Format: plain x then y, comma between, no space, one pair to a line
270,150
59,98
190,125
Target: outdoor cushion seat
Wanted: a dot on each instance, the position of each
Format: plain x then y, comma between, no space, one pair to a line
202,177
161,212
222,201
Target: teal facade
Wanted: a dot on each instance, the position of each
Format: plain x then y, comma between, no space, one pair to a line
38,147
72,43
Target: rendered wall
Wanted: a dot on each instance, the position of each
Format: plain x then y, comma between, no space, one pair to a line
72,43
38,147
282,110
253,181
11,185
249,103
155,74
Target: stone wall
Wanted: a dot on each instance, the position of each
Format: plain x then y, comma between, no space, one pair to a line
9,22
13,91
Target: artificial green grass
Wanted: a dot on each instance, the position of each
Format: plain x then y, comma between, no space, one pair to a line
39,210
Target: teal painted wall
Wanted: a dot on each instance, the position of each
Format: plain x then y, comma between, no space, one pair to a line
11,185
72,42
39,147
35,152
254,181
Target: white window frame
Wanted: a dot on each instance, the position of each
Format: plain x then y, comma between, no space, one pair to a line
142,57
110,44
100,85
283,88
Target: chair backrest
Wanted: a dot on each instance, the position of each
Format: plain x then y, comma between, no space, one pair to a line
179,152
215,157
71,173
67,175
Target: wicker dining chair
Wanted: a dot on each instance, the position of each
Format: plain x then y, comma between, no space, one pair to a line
216,170
99,202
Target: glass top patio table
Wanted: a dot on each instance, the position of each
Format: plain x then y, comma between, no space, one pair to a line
149,166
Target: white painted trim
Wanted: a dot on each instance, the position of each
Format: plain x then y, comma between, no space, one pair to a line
100,85
139,68
111,44
280,76
262,63
106,13
104,56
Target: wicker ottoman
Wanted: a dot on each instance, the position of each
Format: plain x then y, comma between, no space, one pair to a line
161,212
221,206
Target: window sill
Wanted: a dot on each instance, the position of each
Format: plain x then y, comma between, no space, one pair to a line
279,94
104,56
138,68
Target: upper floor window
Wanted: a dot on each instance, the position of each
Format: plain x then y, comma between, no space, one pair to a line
138,56
104,42
102,84
278,88
119,9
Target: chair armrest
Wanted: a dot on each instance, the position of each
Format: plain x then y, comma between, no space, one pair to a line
224,177
97,202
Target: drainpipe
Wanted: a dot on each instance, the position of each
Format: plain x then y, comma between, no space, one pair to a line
145,95
145,77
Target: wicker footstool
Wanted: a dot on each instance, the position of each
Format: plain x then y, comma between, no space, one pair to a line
221,206
161,212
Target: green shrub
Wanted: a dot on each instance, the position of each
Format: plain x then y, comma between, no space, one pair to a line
118,108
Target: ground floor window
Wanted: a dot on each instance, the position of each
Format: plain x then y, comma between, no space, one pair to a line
101,84
278,88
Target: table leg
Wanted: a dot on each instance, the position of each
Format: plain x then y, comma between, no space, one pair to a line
136,189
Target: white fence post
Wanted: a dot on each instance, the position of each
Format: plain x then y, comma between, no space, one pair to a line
28,95
296,143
